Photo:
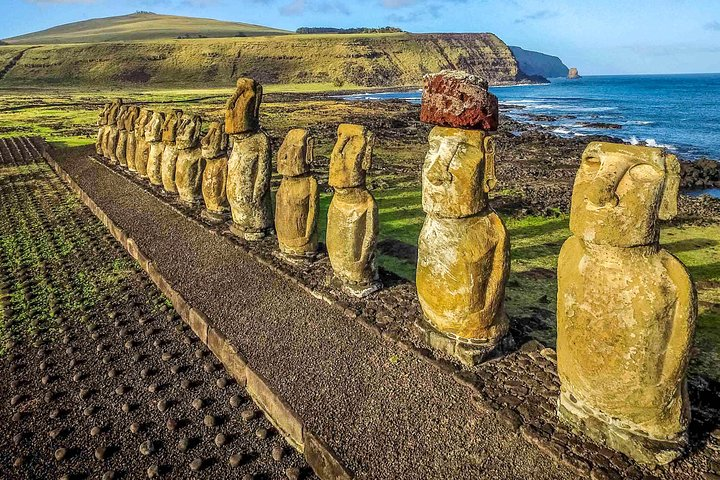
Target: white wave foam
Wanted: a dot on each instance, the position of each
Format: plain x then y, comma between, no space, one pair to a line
562,131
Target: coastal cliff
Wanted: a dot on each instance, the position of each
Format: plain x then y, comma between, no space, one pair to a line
536,63
377,60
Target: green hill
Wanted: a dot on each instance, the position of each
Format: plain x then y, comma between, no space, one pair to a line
371,60
141,26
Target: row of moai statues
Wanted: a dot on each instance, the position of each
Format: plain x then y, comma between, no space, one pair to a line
230,169
626,308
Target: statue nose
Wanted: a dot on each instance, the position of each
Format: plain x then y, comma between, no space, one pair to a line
438,173
602,189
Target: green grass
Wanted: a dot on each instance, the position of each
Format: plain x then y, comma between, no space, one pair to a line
140,26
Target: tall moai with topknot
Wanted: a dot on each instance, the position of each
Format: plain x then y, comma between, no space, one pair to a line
102,128
131,117
170,152
214,180
153,136
142,148
463,249
249,166
626,308
352,225
190,163
297,198
112,131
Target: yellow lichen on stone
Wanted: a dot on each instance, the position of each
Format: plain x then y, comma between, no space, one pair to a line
297,197
242,110
352,226
190,164
626,307
153,136
142,147
463,249
168,162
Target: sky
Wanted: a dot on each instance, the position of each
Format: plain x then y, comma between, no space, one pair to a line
596,36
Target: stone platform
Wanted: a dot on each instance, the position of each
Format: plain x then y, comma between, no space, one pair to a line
353,372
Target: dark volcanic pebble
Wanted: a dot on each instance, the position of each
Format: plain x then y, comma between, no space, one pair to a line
236,459
293,473
147,447
101,453
183,444
277,453
153,471
197,403
235,401
210,421
162,405
220,440
196,465
60,454
261,433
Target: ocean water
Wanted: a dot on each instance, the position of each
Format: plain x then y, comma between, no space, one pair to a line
679,112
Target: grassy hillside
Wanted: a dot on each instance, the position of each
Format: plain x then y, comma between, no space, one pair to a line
345,60
141,26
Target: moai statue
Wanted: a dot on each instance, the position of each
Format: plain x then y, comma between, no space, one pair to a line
170,153
214,180
352,225
131,144
112,131
121,142
249,166
190,163
102,127
142,147
297,199
463,249
626,308
153,136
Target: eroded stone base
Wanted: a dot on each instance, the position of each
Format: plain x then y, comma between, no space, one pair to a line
467,352
585,420
296,259
215,217
250,236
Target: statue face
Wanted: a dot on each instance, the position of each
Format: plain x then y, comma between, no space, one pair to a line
352,156
170,127
122,114
154,129
103,117
114,111
215,142
620,191
295,153
188,134
458,172
242,110
143,119
131,117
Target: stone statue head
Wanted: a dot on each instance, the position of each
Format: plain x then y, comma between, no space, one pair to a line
114,110
103,117
144,118
154,128
620,192
351,157
120,119
131,116
188,134
458,172
170,127
215,142
296,153
242,111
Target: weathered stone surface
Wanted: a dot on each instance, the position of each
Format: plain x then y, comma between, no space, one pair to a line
214,179
102,127
170,153
463,249
190,164
131,119
297,197
117,134
111,132
248,185
454,98
353,227
142,147
153,136
242,110
626,307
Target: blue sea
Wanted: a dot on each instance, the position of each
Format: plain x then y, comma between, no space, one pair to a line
678,112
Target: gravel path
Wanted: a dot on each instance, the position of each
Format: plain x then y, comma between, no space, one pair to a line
101,379
387,414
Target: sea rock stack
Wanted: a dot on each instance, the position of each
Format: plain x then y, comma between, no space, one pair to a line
457,99
626,307
573,74
352,225
463,249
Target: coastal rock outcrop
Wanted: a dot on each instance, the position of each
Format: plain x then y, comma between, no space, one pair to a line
573,74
